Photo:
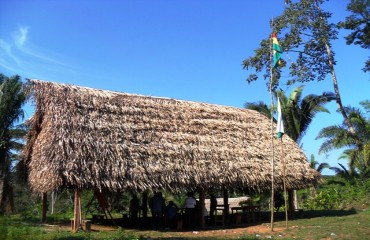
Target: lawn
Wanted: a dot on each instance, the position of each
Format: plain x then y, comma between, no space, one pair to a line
340,224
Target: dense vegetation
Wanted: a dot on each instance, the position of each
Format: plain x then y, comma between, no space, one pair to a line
347,192
336,194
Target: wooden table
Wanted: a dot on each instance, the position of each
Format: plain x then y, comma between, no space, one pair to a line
222,220
247,210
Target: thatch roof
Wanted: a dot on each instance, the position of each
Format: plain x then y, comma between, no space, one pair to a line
89,138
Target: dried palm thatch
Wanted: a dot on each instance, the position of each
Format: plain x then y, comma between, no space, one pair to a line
88,138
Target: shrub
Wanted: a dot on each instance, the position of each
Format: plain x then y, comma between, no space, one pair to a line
336,195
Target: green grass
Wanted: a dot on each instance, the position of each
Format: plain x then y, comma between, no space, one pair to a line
354,225
339,224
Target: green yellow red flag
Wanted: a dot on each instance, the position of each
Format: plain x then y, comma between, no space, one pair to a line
276,50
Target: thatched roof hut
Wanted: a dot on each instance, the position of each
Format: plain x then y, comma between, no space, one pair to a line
87,138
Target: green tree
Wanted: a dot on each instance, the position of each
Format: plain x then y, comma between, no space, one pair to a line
306,35
12,97
298,112
357,145
359,24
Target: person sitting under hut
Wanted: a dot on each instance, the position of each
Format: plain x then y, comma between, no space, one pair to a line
170,213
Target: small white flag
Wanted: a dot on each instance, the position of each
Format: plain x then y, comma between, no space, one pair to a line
280,124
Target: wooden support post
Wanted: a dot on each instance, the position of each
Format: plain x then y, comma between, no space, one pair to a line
291,203
44,207
202,208
226,206
295,197
144,204
77,211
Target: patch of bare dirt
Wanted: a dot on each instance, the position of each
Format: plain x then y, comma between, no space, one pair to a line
262,229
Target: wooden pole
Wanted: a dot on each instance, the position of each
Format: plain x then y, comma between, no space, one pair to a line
272,136
284,182
52,202
77,211
44,207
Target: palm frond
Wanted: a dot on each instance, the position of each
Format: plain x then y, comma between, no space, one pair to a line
260,107
322,166
366,105
313,162
295,96
342,171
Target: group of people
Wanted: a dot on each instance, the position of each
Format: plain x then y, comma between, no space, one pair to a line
168,215
159,210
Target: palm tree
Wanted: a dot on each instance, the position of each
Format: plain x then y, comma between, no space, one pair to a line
297,113
316,165
344,173
357,144
12,97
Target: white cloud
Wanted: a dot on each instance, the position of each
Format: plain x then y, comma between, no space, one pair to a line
20,55
26,47
21,36
7,49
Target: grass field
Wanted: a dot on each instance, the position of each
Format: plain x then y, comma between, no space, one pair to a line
340,224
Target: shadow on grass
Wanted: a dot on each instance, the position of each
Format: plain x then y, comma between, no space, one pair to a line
153,238
200,238
325,213
18,228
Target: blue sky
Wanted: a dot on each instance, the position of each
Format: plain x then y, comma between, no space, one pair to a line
189,50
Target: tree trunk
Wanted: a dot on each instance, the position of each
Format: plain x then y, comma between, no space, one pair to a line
336,91
6,196
2,197
335,84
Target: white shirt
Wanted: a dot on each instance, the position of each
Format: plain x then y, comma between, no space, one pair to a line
190,202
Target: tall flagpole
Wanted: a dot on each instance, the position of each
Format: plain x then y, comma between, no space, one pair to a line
272,136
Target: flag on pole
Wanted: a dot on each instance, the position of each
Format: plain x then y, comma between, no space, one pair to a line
276,50
280,124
